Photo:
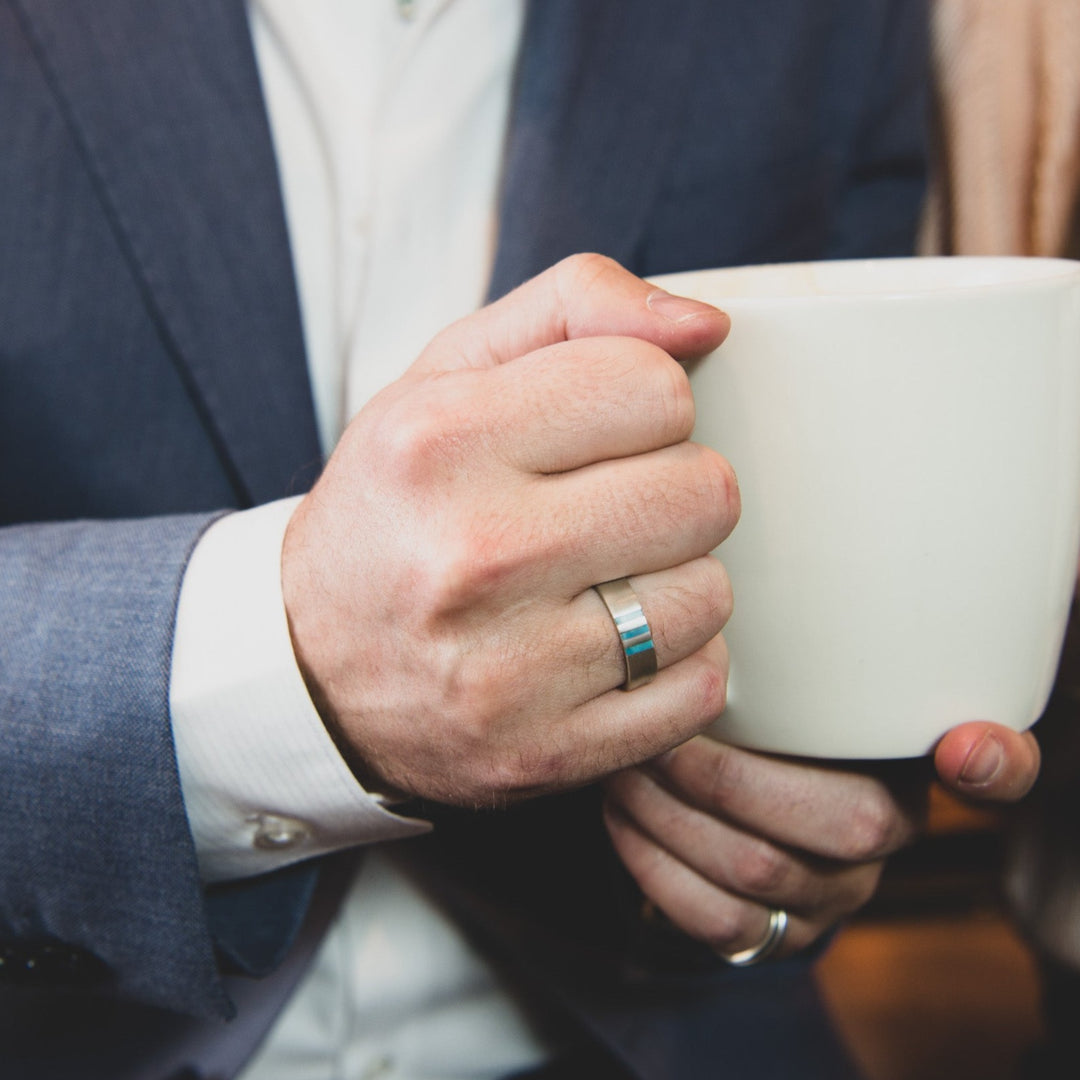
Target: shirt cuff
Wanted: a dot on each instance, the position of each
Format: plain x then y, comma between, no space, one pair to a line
263,783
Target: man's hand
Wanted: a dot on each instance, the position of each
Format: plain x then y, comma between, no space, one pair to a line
716,836
438,578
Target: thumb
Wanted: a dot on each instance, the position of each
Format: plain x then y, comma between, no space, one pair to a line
582,296
988,762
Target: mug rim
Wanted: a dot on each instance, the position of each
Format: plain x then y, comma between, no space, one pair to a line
872,279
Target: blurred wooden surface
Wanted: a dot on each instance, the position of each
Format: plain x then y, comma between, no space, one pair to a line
932,982
934,998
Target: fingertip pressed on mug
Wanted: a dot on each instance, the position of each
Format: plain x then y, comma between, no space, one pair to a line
906,433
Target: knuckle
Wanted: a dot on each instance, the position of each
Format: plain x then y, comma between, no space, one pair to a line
471,568
582,270
864,886
708,599
463,703
709,495
644,863
413,442
712,690
469,692
700,602
438,580
423,436
489,689
722,779
760,870
723,930
477,555
721,486
872,828
670,394
722,594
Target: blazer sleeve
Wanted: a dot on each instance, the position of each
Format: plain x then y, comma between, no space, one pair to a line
99,882
120,332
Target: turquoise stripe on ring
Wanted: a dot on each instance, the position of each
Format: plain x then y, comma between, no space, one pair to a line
635,637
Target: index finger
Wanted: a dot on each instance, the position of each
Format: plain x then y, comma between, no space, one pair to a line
827,811
598,399
582,296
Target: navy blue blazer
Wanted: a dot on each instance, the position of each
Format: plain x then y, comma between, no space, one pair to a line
152,375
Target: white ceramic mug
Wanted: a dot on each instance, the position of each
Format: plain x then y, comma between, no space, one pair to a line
906,433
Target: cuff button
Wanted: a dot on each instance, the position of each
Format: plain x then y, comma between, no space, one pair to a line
276,832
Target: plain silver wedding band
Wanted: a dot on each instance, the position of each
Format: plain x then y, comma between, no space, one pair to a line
773,939
635,637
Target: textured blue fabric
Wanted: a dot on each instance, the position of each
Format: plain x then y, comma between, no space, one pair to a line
152,375
89,810
147,300
143,232
720,134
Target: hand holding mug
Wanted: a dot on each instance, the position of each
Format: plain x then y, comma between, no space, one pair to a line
726,842
438,578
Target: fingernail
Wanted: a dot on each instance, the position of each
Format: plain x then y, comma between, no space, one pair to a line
676,308
984,761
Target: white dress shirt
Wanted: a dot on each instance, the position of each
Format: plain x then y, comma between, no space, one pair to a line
388,118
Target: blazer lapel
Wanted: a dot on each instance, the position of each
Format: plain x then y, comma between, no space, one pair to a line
579,178
164,99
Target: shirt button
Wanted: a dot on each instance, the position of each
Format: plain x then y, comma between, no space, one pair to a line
275,832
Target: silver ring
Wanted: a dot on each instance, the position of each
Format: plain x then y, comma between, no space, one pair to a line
635,637
773,939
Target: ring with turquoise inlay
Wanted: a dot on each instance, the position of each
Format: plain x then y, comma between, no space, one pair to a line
635,637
